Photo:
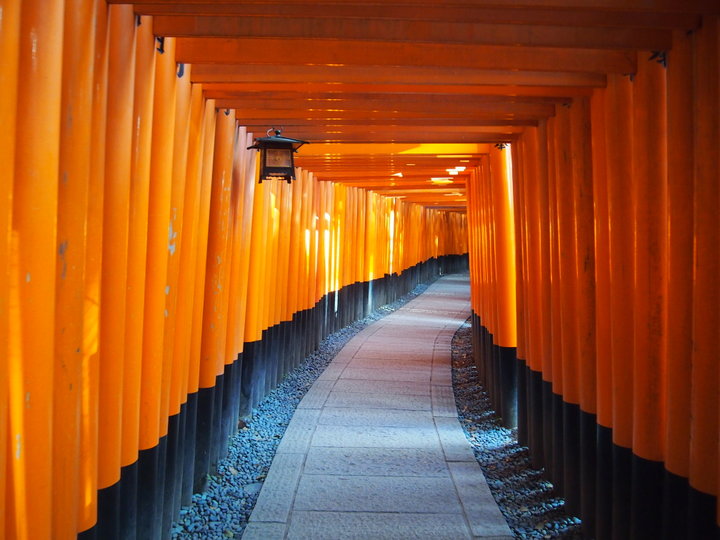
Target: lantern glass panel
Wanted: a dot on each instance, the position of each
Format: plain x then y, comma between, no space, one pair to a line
278,157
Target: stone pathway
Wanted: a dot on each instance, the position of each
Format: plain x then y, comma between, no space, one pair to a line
375,449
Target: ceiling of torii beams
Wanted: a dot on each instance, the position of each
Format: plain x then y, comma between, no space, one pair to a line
386,88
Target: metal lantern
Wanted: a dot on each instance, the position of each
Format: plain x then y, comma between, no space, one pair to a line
276,156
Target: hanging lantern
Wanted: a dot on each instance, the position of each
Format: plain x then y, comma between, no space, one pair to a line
276,156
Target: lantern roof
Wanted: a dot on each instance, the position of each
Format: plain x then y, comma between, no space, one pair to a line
277,141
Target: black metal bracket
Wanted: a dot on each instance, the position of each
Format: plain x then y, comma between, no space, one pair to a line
660,57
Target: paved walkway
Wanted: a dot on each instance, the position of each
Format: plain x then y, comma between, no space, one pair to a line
375,449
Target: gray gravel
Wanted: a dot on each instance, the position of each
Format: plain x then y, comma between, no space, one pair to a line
526,500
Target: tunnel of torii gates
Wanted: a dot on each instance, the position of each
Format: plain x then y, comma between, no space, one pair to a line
153,291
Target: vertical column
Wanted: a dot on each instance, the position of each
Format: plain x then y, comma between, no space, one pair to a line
135,284
121,75
199,367
34,213
187,304
585,304
595,519
171,406
155,384
619,144
552,402
649,185
504,252
679,323
75,131
87,507
9,45
706,293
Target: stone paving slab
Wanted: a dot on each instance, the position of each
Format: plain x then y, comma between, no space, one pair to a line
376,525
278,491
376,462
375,437
260,530
299,432
382,387
376,418
452,439
374,451
377,494
390,374
378,401
443,401
316,396
478,502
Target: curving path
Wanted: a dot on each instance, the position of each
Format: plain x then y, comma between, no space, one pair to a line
375,450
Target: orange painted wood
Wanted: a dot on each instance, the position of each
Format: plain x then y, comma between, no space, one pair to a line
413,31
300,75
32,317
253,322
602,261
233,341
435,86
205,168
264,51
706,268
187,305
543,247
680,164
556,373
121,73
504,229
619,146
566,190
177,230
87,506
212,358
454,12
137,238
155,381
649,185
9,52
585,292
74,172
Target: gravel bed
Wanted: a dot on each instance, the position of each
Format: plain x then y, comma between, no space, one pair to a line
223,509
525,498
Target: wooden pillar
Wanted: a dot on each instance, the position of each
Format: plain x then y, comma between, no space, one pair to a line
34,213
87,506
619,144
706,293
649,193
137,239
121,76
9,52
75,132
679,322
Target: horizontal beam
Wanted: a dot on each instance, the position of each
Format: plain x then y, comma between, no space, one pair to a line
339,52
520,113
334,89
417,75
295,99
416,123
414,31
623,15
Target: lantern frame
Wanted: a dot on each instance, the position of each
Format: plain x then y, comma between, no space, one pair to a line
277,156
